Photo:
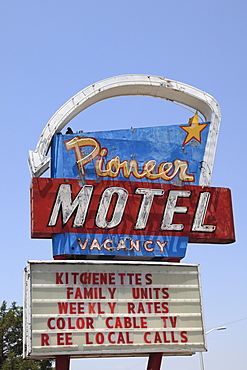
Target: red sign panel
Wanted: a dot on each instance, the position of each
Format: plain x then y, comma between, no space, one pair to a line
204,214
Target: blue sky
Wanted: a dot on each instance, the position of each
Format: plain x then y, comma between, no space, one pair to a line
52,49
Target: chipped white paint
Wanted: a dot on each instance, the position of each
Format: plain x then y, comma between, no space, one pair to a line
64,203
145,85
122,197
198,224
171,208
148,197
80,205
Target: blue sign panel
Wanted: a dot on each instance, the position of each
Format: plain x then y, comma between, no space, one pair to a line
165,155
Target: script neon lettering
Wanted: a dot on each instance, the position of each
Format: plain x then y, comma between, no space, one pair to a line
112,168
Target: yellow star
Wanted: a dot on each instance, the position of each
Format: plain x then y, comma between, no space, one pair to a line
194,130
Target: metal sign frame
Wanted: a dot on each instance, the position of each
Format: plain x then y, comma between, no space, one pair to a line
178,298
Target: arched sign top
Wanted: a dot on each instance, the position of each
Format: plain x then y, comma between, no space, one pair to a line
142,85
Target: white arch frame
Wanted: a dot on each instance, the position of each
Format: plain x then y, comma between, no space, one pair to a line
144,85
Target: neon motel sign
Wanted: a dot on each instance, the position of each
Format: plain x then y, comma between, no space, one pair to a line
128,194
140,193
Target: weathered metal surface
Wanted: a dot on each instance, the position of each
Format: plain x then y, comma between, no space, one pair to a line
132,85
154,154
133,209
106,309
127,194
122,206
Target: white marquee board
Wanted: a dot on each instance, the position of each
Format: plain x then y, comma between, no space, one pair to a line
106,309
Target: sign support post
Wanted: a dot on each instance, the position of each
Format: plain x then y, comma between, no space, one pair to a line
154,361
62,362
